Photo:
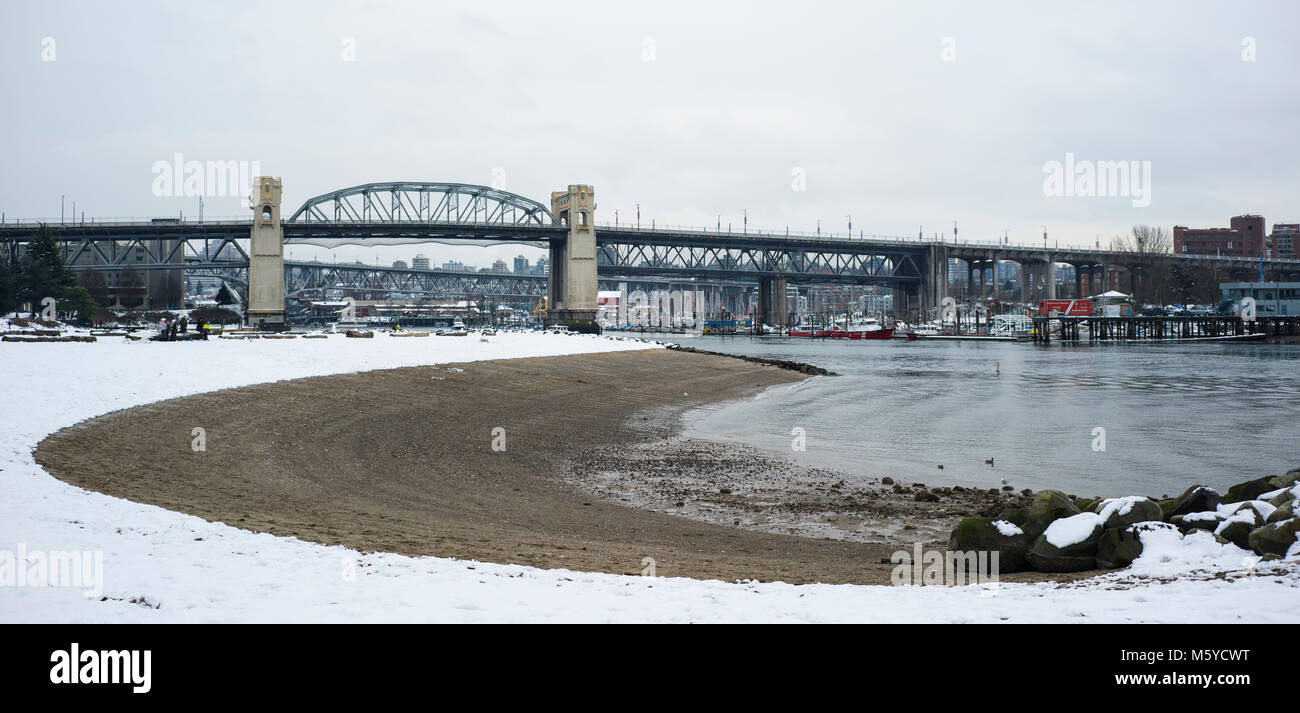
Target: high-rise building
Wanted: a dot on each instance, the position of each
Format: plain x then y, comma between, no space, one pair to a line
1282,242
399,264
499,266
521,264
420,262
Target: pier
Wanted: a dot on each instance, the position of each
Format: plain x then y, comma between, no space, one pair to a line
1116,329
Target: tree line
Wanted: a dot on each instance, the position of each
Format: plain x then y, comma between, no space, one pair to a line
1162,281
39,272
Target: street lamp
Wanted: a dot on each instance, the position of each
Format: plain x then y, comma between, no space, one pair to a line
850,226
745,212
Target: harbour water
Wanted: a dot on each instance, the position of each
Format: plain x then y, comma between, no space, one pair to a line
1170,415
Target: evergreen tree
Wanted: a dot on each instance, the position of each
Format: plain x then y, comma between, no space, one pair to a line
7,279
77,299
43,273
224,297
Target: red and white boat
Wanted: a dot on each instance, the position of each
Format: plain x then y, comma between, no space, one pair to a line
807,330
869,328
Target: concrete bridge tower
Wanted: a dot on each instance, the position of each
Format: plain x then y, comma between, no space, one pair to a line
571,288
266,257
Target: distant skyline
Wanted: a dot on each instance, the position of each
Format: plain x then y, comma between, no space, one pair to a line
906,116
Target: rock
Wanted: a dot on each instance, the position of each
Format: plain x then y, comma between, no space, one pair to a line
359,334
1282,498
1285,511
1275,537
1014,515
1047,507
1250,489
1086,504
1197,521
886,481
1237,528
1119,546
1197,498
1078,536
1122,512
1285,481
980,534
925,496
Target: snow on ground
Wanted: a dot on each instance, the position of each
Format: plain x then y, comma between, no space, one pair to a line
163,566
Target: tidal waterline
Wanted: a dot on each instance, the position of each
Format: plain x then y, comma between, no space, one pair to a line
1092,420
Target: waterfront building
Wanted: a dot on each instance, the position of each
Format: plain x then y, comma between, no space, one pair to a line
1272,299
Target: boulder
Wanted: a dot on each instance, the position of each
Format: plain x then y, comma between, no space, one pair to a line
1197,498
1197,520
1238,526
1285,511
1285,481
1069,544
1283,497
1122,512
1250,489
982,534
1119,546
1014,515
1276,537
1047,507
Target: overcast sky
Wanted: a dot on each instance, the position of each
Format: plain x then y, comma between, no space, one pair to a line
901,114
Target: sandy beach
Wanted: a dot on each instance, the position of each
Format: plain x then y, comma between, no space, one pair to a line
402,460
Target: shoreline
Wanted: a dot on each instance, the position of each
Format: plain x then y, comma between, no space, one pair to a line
352,460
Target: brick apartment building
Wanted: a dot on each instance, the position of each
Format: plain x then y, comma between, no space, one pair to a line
1244,238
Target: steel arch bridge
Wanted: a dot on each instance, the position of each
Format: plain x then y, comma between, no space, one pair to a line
423,202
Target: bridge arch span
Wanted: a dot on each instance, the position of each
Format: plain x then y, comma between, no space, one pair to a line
423,202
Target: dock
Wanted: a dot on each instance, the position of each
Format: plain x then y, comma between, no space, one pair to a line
1210,328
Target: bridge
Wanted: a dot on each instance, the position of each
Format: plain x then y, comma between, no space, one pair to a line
396,213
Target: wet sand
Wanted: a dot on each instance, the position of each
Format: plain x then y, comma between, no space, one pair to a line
403,460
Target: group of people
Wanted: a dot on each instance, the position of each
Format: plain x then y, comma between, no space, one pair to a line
168,330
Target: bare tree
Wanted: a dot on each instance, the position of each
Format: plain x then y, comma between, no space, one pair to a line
1147,244
1145,240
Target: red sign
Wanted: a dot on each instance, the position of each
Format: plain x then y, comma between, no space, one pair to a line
1067,308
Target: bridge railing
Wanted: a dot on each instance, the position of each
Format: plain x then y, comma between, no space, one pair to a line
34,223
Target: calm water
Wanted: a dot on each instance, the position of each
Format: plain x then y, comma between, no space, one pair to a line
1172,414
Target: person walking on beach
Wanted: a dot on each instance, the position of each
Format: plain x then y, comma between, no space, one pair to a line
185,324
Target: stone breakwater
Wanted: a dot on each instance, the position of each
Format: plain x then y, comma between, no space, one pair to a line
1055,532
800,367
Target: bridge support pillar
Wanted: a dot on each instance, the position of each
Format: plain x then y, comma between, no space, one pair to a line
266,258
571,288
773,307
1051,280
934,286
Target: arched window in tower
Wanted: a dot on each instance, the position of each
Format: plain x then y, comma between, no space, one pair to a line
266,212
582,218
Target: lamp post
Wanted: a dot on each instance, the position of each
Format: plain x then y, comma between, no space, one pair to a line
745,212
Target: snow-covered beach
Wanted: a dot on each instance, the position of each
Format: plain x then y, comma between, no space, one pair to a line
164,566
